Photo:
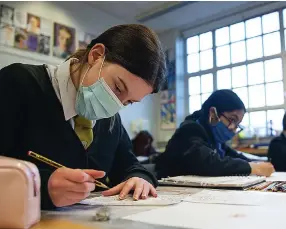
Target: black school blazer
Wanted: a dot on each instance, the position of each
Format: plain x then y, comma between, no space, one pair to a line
277,153
32,118
192,151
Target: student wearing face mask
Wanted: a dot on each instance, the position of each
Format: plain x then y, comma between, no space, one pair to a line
198,147
69,114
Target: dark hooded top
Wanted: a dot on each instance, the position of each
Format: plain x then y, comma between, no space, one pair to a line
192,149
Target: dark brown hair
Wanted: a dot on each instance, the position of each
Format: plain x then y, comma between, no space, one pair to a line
134,47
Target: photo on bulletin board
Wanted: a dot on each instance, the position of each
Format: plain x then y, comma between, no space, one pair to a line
20,19
46,27
171,68
7,34
33,24
21,38
170,83
44,44
84,39
168,110
164,97
32,42
64,41
6,15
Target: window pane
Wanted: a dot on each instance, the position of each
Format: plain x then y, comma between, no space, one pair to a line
237,32
207,83
271,44
239,76
253,27
206,41
206,59
276,116
242,94
270,22
238,53
258,122
274,94
284,37
254,48
205,97
194,85
222,36
273,70
193,64
284,18
245,123
194,103
245,120
223,56
256,96
193,44
255,73
224,79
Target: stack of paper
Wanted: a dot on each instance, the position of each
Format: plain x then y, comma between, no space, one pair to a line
223,182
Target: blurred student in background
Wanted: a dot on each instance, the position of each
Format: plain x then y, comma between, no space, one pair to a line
199,146
142,144
277,150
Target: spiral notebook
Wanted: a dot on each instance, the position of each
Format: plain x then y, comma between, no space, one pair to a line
235,182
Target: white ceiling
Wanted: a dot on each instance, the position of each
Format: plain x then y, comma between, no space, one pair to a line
165,15
126,11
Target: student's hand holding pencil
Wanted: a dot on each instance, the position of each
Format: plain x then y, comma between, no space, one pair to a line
68,186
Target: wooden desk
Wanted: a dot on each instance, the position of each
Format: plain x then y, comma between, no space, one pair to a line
81,216
258,152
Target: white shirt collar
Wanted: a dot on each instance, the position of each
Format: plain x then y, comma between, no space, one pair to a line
67,89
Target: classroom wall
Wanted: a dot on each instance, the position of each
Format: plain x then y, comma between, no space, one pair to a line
75,14
88,19
168,40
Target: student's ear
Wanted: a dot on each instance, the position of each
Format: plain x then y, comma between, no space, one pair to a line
213,116
96,53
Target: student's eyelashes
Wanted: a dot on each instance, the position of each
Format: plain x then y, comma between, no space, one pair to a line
117,89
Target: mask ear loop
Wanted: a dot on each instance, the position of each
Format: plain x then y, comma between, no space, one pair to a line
99,74
101,66
84,75
80,84
216,114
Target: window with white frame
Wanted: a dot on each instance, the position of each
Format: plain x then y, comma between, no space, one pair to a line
247,58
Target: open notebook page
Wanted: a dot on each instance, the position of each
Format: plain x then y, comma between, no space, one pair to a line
161,200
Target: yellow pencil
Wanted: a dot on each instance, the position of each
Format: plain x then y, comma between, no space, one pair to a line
57,165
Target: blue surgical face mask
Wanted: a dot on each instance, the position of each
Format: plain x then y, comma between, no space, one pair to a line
97,101
221,132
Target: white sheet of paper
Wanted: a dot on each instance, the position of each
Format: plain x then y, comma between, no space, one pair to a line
251,198
277,176
161,200
213,216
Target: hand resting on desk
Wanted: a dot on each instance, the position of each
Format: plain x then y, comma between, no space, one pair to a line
69,186
261,168
141,188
